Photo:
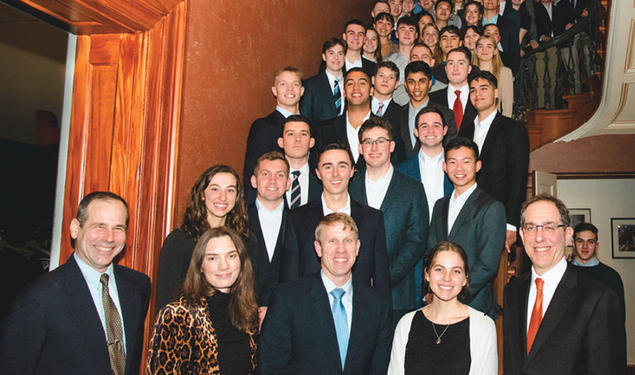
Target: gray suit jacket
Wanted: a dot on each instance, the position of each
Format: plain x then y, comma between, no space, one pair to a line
480,230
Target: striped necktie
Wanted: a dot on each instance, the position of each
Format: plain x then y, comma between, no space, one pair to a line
295,190
114,329
337,96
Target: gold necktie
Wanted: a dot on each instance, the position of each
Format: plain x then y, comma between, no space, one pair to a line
114,330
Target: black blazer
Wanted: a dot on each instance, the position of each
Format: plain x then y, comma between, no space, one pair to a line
263,137
582,331
505,163
562,14
441,98
298,334
53,326
318,103
368,66
509,41
393,115
404,130
268,270
299,257
405,209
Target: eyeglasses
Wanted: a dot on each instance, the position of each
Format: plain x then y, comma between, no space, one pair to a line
379,141
547,228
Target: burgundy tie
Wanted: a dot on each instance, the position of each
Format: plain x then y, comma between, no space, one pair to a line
458,109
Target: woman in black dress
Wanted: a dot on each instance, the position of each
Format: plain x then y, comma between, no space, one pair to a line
446,336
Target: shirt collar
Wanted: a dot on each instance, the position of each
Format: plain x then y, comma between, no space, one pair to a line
486,122
426,159
359,127
346,209
382,180
329,285
284,112
91,276
412,109
462,88
463,197
303,169
591,263
332,77
261,206
553,276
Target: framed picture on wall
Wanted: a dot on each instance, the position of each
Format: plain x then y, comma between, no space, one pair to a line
623,237
579,215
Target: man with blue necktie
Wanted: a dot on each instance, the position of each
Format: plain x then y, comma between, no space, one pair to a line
325,323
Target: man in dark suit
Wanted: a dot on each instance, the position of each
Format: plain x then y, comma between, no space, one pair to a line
327,322
473,219
456,95
267,216
335,168
354,35
323,98
403,202
508,35
504,148
558,320
264,132
418,82
86,316
296,142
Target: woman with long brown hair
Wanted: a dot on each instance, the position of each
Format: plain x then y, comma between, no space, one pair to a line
212,327
215,199
487,57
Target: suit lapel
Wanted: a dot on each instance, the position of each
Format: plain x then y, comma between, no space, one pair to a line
464,214
324,319
405,128
358,330
521,313
128,300
445,208
393,190
281,235
254,219
491,136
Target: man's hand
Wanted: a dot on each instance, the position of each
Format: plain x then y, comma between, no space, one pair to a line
510,239
568,26
262,311
585,13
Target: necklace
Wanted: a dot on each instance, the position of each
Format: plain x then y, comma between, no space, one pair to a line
442,333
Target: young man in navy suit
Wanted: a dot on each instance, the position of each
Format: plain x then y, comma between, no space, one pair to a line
402,201
264,132
557,319
326,322
267,216
86,316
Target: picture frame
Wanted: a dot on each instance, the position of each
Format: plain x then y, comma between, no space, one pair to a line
623,237
579,215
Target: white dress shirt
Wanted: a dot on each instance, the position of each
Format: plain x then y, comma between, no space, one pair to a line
456,204
355,64
552,279
340,83
374,105
284,112
465,96
432,175
353,137
270,222
92,278
376,190
345,210
481,129
303,179
347,298
411,120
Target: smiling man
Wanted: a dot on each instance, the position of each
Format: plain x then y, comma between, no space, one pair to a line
559,320
326,322
402,201
335,169
473,219
407,34
86,316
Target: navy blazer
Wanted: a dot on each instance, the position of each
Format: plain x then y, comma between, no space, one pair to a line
299,257
268,270
318,103
404,130
405,211
505,163
582,331
410,167
298,334
263,137
53,326
368,66
441,98
480,230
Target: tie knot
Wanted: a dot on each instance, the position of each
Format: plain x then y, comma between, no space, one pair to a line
295,174
457,92
104,280
337,293
539,283
336,82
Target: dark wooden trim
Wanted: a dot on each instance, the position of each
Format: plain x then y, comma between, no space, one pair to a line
592,175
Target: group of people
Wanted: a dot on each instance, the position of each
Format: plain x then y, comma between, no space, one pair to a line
364,238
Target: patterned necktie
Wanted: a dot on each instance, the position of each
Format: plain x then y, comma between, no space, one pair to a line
380,110
337,96
458,109
114,329
341,325
295,190
536,315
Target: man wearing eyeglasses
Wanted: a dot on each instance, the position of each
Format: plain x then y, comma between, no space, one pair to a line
403,202
557,319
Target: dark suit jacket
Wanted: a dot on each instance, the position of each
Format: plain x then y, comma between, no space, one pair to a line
404,130
368,66
410,167
509,39
263,137
315,185
441,98
505,163
582,331
299,257
298,334
480,230
268,270
562,14
334,130
54,328
318,103
405,211
393,115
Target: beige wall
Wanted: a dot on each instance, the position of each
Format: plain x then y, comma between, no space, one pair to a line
608,198
32,68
